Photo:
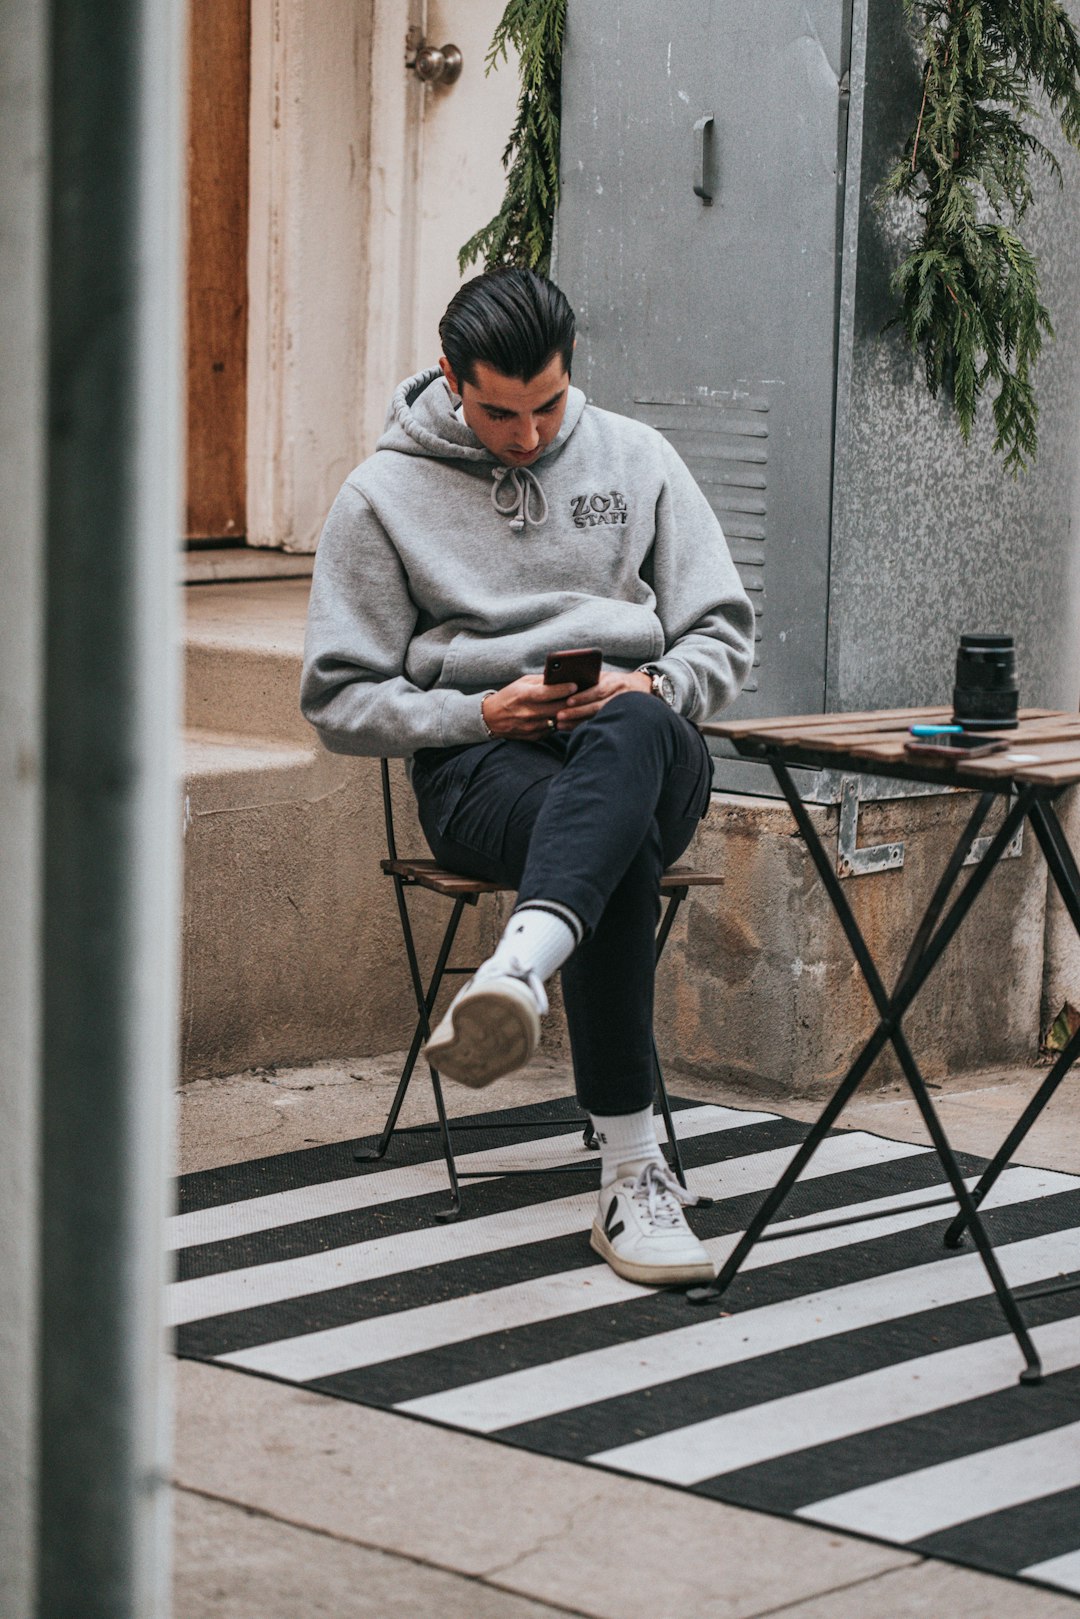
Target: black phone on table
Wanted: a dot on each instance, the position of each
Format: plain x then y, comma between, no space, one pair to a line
966,744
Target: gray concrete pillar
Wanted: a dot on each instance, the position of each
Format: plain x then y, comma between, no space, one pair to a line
116,76
22,253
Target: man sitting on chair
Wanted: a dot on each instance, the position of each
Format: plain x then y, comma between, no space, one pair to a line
500,519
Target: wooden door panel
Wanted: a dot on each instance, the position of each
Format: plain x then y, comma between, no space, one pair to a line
217,303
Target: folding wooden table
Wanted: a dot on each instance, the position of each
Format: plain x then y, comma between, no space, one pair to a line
1041,760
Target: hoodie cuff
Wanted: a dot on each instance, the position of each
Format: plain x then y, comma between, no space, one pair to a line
462,719
681,679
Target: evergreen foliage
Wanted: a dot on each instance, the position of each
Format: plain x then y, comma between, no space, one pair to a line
969,289
521,231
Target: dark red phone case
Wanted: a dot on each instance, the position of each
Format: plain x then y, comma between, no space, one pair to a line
582,665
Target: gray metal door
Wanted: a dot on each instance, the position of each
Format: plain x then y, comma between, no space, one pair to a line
698,238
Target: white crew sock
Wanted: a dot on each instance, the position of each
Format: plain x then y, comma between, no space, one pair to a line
538,939
627,1141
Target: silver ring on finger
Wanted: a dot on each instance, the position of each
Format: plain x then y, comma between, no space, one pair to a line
551,725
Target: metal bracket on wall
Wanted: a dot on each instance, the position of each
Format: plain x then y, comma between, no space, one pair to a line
854,862
1012,851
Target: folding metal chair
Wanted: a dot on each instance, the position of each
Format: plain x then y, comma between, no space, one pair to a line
461,891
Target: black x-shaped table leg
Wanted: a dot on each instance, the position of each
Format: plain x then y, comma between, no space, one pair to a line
932,937
1066,879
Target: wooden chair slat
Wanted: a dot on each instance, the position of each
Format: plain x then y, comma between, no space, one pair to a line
684,877
429,874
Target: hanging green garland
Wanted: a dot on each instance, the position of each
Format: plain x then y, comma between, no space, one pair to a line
969,288
521,231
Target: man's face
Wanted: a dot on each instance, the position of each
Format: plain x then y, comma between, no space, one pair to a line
515,420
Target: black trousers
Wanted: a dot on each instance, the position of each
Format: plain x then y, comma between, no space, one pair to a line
590,818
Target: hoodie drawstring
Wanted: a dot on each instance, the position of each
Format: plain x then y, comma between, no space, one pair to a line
527,502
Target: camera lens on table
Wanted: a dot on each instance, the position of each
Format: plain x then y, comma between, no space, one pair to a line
986,695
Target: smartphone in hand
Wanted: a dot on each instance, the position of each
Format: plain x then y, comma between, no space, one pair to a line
581,665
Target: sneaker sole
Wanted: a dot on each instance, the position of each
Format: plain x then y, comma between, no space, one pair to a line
650,1275
490,1035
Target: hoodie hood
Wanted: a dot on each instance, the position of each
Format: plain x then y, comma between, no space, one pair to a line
423,420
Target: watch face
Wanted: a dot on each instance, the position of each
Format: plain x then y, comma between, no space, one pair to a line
666,690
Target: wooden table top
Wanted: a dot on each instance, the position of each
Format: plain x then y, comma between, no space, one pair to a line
1044,749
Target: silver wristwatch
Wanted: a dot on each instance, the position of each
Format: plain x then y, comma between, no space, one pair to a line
661,683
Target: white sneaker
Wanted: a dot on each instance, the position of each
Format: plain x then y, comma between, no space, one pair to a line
491,1027
641,1231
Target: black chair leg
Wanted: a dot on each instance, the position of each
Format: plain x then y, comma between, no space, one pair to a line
665,1109
454,1210
663,933
425,1003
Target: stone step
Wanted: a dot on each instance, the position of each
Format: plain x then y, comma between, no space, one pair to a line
219,565
225,766
244,650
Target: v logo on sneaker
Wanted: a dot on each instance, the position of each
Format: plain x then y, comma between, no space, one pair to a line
613,1227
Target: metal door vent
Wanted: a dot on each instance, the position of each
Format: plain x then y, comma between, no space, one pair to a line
724,439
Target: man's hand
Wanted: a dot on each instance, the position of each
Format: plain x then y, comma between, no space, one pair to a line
525,709
584,704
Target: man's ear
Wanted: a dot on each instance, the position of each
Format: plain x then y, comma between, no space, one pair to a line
451,380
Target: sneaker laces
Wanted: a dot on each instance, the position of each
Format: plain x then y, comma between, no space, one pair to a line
661,1195
511,967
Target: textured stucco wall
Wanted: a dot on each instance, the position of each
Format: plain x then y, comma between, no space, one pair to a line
931,539
1062,978
760,986
291,944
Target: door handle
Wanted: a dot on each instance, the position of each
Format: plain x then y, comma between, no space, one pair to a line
702,143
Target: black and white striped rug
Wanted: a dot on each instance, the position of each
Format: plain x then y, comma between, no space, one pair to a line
864,1378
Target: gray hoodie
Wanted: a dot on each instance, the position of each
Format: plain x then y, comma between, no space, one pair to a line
442,574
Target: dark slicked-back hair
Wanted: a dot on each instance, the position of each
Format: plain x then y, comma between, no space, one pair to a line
514,320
